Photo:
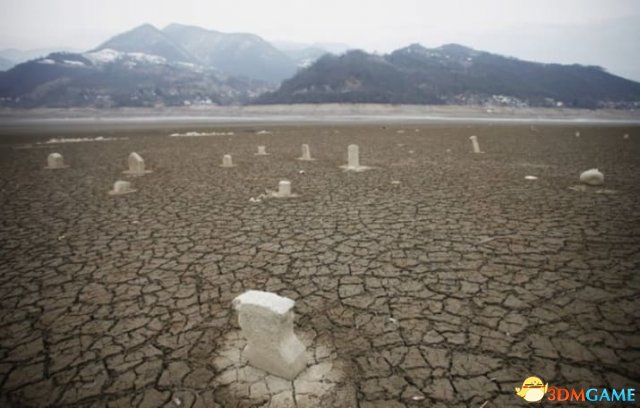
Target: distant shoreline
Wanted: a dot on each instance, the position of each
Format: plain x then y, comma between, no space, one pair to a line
307,114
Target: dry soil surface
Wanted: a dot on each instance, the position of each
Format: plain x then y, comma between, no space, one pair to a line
438,278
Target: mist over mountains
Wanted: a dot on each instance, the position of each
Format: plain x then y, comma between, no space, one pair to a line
11,57
612,43
183,65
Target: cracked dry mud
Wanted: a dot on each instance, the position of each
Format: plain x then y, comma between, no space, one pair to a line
445,289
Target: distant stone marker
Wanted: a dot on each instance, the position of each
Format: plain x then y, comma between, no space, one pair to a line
353,156
626,136
136,165
262,151
284,190
266,320
353,159
121,187
592,177
578,134
306,153
226,161
55,161
475,144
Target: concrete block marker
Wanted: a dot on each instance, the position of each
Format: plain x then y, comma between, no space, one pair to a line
284,190
625,136
353,159
353,156
55,161
226,161
136,165
262,151
578,133
592,177
266,320
475,144
121,187
306,153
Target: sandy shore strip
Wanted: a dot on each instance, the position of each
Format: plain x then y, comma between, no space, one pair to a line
304,113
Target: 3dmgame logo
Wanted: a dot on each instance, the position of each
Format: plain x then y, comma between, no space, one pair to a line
534,390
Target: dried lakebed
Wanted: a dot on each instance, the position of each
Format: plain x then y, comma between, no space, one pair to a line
437,278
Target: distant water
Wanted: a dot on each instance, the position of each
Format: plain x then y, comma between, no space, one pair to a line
155,121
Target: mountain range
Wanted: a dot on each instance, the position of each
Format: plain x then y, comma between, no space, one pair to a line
453,74
182,65
146,66
237,54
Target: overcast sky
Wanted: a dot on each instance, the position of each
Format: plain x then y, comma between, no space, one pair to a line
372,24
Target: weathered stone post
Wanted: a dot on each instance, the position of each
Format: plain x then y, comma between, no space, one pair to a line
284,188
121,187
353,157
306,153
55,161
266,320
262,151
136,165
226,161
474,143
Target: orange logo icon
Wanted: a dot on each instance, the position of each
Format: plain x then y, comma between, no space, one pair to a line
533,389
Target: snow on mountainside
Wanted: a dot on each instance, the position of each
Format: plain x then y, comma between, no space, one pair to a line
110,78
239,54
108,55
147,39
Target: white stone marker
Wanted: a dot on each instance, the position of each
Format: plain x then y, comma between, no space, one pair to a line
55,161
121,187
262,151
306,153
226,161
284,188
353,159
136,165
592,177
578,134
626,136
266,320
474,143
353,156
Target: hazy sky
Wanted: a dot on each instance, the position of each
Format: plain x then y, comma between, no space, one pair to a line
372,24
